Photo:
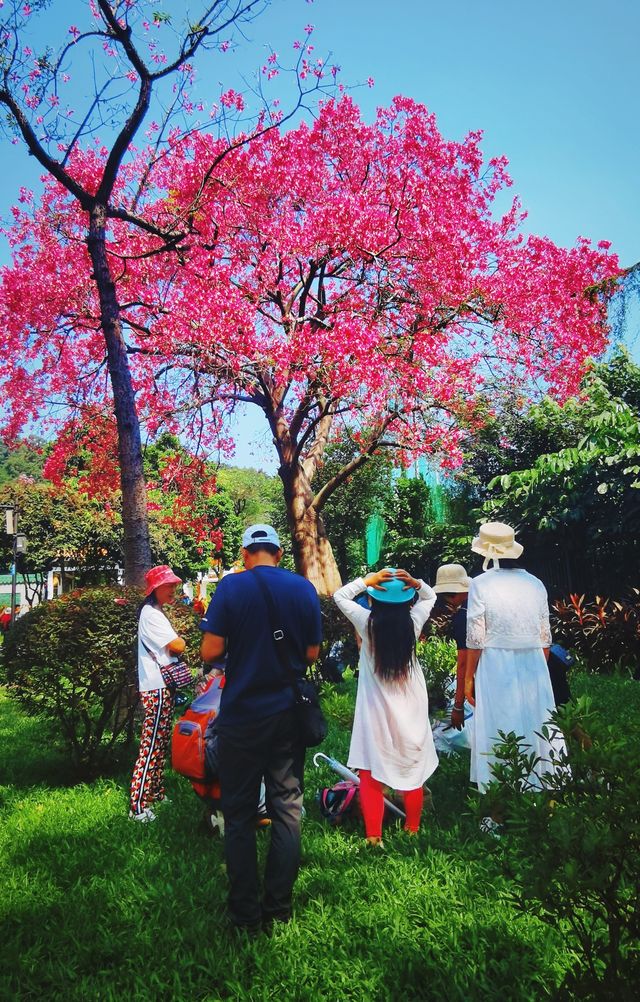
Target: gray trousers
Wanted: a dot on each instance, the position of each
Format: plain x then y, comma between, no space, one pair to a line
269,748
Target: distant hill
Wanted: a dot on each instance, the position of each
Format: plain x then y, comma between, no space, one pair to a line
26,459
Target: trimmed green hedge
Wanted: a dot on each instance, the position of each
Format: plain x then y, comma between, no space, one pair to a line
74,660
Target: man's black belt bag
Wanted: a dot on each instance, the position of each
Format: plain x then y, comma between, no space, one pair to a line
312,724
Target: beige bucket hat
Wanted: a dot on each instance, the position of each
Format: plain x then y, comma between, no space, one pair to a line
451,578
496,540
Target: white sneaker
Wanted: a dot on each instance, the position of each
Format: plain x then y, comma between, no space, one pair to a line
215,822
143,817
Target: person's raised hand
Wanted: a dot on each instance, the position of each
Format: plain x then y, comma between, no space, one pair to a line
376,578
409,581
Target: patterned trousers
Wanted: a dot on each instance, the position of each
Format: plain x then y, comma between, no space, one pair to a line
147,783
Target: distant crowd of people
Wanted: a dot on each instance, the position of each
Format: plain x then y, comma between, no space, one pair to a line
500,622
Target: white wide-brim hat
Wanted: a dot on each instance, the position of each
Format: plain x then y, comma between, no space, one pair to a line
451,578
496,541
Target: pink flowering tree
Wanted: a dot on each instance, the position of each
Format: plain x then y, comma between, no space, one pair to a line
344,278
349,279
140,60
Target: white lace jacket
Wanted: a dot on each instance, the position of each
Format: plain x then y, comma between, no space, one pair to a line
507,609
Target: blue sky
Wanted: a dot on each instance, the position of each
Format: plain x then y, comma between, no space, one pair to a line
553,85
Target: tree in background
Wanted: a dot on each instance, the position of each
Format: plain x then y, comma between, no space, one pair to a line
205,535
360,496
73,519
192,520
192,523
587,482
256,496
65,530
566,476
581,501
139,60
419,535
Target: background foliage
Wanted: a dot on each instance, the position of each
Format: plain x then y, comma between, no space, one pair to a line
576,502
606,632
73,661
69,528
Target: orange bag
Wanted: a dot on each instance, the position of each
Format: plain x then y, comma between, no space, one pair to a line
187,740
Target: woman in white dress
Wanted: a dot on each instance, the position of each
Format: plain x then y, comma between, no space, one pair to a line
391,742
508,641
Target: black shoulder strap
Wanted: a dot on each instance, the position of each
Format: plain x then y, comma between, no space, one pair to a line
280,642
149,652
154,657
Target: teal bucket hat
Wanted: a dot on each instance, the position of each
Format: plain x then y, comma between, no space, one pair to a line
393,591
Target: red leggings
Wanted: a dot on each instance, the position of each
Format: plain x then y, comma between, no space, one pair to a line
372,804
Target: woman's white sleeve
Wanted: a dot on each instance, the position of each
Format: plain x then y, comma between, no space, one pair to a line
545,626
421,611
476,623
355,613
155,629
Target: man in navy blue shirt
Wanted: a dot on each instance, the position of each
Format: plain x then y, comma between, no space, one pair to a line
257,730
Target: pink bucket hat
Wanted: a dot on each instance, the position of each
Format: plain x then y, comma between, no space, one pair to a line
161,575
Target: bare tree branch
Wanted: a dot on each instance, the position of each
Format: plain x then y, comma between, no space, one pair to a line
53,167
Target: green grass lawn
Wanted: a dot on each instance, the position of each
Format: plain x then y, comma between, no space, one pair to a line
96,907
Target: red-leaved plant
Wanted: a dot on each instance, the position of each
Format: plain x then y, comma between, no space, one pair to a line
605,631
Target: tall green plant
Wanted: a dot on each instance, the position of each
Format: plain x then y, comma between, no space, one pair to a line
437,658
572,848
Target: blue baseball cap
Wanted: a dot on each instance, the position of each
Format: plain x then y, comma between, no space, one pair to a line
260,534
393,591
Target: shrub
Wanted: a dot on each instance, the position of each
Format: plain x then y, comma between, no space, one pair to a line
438,659
338,704
335,626
605,631
335,629
572,849
73,659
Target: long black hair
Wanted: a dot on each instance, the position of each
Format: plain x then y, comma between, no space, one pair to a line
393,640
149,600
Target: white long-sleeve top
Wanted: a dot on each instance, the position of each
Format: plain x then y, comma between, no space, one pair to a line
391,734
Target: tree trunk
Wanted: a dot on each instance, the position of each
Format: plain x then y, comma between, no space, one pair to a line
312,551
137,550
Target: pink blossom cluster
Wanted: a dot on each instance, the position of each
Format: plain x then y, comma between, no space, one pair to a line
343,268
